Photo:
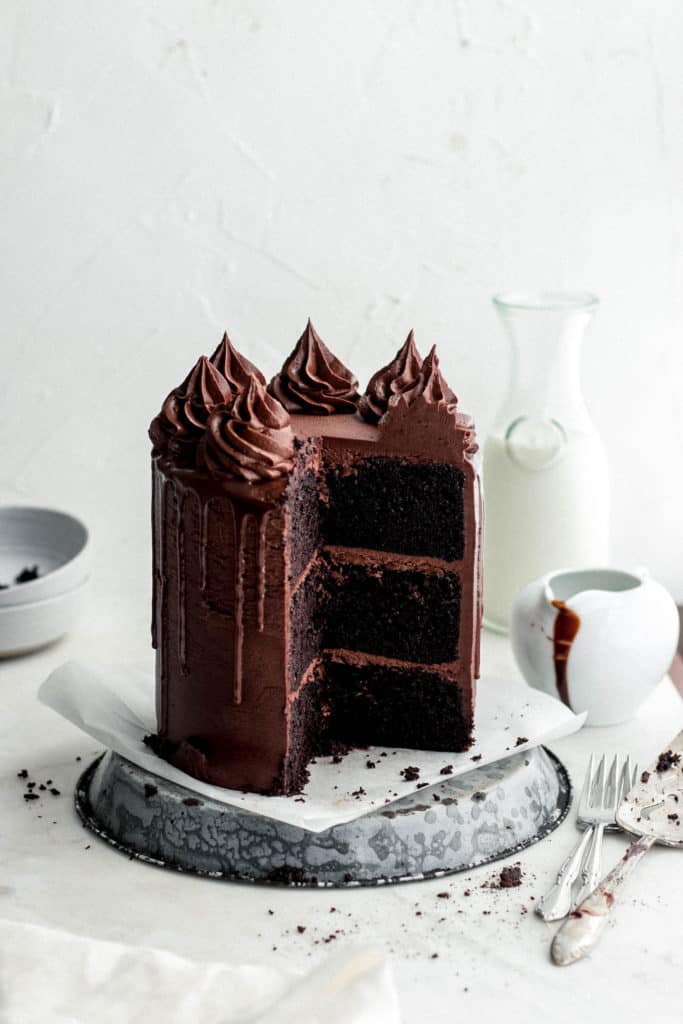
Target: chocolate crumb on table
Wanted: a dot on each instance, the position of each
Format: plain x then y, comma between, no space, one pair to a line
521,740
192,801
667,760
645,777
301,928
479,797
410,774
443,895
510,877
475,757
446,770
23,774
370,764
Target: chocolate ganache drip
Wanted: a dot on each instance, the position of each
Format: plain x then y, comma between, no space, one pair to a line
233,366
251,440
314,381
183,416
431,385
393,379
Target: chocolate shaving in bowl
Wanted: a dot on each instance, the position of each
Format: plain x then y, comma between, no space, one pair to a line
27,574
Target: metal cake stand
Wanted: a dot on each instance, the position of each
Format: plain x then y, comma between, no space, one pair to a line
489,813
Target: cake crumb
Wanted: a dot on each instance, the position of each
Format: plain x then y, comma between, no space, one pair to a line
301,928
510,877
443,895
475,757
192,801
645,777
521,740
667,760
446,770
410,774
370,764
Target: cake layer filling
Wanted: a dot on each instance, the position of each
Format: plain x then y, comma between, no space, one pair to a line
417,496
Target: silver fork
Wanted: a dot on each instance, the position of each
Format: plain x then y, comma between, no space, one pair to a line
602,793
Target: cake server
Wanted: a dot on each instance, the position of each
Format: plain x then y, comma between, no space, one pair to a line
653,811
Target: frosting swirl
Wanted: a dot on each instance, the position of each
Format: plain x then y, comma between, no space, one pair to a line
393,379
314,381
233,366
186,409
430,384
251,440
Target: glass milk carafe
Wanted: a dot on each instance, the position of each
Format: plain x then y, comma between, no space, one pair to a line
545,468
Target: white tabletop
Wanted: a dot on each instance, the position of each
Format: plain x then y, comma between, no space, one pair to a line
492,949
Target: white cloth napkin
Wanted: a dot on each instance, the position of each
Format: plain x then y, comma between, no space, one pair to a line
53,977
114,705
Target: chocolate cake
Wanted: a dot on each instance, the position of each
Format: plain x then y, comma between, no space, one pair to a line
317,577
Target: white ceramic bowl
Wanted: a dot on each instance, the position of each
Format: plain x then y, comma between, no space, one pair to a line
57,543
26,627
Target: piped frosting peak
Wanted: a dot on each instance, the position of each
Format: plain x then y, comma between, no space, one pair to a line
314,381
396,377
186,409
430,385
252,440
233,366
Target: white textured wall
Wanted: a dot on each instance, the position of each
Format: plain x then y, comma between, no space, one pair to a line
169,169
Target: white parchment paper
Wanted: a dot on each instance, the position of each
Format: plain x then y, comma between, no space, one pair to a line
115,706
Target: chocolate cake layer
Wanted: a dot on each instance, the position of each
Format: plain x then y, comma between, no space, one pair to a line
419,495
363,704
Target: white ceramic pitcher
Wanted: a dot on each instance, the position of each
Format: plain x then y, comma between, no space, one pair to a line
599,639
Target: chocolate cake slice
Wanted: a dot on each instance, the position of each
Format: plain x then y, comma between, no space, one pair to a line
317,576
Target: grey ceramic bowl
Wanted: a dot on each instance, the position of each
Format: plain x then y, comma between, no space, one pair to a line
57,543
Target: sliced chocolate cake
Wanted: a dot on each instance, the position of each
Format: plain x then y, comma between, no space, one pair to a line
317,574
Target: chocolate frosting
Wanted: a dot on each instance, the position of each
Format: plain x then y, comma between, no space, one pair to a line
429,384
393,379
314,381
183,416
251,440
235,368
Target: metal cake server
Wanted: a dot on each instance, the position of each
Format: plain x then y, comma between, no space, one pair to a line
652,810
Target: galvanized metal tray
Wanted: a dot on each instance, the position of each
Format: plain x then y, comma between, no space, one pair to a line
489,813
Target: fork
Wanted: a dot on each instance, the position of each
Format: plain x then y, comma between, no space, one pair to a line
600,797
